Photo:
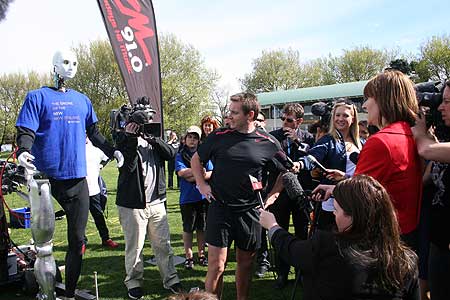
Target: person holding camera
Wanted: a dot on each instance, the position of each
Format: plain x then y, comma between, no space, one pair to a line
363,259
141,194
430,149
338,152
390,155
295,142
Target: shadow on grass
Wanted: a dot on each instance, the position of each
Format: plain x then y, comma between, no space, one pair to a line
111,273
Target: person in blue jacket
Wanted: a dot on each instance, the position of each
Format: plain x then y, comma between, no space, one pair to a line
193,205
338,152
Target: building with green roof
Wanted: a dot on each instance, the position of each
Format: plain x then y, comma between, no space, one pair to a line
273,102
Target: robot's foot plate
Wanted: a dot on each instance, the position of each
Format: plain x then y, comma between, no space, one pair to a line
79,294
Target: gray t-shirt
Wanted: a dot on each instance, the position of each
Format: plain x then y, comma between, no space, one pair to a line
149,171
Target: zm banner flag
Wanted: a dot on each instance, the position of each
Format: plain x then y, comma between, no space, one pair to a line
131,29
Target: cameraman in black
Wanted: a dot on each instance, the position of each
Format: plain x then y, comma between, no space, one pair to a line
295,143
141,194
430,149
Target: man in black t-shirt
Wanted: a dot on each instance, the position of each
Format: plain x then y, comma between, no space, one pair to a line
236,152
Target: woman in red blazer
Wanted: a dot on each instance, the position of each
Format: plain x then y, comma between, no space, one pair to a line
390,156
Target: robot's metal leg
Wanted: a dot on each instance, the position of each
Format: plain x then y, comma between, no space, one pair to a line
42,228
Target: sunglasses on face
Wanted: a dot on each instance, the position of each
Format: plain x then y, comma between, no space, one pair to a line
289,120
260,120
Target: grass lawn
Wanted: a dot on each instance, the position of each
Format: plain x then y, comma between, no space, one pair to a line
109,264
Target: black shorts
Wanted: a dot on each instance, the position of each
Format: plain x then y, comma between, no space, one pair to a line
194,216
225,226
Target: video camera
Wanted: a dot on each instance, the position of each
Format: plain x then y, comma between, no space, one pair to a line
323,110
429,94
140,113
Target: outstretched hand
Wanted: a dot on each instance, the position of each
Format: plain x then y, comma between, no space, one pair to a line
420,130
322,192
335,175
290,133
205,190
267,219
296,167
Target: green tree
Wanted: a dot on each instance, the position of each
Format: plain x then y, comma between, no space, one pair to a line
187,84
434,59
402,65
361,63
281,69
220,101
13,89
274,70
320,71
99,78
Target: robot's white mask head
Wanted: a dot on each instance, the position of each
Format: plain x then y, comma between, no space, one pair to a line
65,63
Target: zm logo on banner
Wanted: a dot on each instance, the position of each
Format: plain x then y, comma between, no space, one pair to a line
131,29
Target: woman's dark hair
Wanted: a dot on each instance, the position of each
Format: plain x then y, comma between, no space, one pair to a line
373,240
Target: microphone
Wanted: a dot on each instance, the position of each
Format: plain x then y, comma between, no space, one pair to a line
315,163
296,193
354,157
292,186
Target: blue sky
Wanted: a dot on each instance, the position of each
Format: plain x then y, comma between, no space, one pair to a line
228,34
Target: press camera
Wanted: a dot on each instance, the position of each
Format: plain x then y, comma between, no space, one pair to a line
322,110
429,94
140,113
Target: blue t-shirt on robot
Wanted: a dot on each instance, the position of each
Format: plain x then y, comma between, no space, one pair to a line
59,120
188,190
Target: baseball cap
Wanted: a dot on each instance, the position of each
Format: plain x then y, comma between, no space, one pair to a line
194,129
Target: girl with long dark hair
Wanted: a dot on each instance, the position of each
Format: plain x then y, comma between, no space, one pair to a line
363,259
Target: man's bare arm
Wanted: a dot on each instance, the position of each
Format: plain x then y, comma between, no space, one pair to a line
427,144
198,172
433,150
272,196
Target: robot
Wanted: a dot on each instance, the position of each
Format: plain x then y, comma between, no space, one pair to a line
51,130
